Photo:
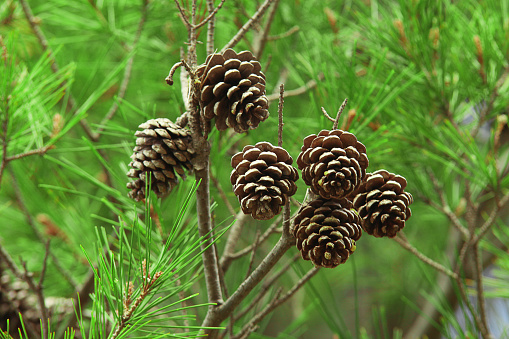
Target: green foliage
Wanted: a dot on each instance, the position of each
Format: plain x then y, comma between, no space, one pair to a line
420,77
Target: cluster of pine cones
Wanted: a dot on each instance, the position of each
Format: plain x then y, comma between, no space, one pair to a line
232,93
345,199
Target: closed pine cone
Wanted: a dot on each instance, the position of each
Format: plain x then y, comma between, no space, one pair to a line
333,163
263,178
163,150
383,204
326,231
233,90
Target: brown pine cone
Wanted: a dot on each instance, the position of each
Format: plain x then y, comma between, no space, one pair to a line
233,90
16,297
263,178
326,231
382,203
333,163
163,150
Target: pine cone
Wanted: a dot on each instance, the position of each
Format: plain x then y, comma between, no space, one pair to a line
233,90
326,231
163,150
15,296
263,179
333,163
382,203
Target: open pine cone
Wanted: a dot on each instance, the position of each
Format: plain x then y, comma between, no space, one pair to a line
326,231
163,150
233,90
383,204
333,163
263,178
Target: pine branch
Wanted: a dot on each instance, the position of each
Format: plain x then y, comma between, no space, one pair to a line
259,44
298,91
402,240
267,284
486,226
222,194
147,286
278,301
30,220
233,237
283,35
271,230
481,301
217,315
247,26
209,255
211,15
210,28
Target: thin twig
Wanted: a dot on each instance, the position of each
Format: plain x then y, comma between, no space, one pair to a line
183,15
280,115
487,109
261,41
44,265
298,91
277,302
223,196
233,237
219,314
338,115
6,258
266,287
247,26
401,239
271,230
283,35
481,301
253,252
444,208
21,202
28,277
210,16
127,73
466,300
39,151
327,115
169,78
491,219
